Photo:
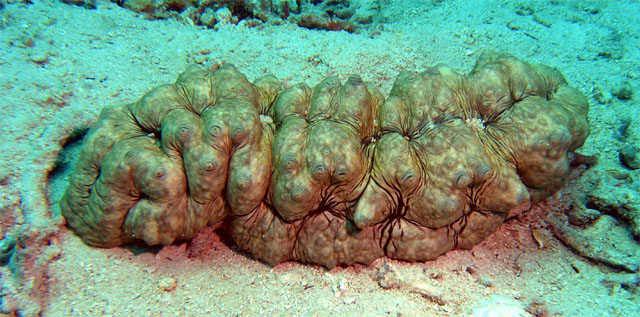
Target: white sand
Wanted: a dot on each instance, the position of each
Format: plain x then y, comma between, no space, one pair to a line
82,60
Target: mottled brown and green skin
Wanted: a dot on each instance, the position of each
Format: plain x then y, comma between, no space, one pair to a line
333,174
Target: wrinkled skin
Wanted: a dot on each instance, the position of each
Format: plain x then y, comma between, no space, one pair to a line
333,174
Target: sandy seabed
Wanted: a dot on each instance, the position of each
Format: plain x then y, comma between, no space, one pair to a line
61,64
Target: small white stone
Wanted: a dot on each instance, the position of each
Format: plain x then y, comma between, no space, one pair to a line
39,57
290,278
497,305
167,284
223,16
349,300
